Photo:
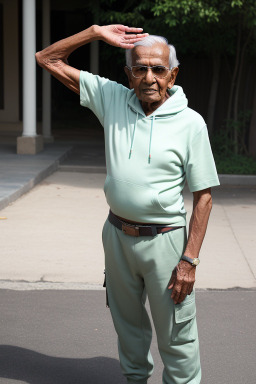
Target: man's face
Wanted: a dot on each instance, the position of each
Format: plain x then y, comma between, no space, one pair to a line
151,89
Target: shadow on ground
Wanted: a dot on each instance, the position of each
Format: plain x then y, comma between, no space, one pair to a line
35,368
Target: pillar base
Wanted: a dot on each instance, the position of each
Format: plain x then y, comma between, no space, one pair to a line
48,139
30,145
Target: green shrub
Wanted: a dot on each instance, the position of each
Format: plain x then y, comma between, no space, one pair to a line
235,164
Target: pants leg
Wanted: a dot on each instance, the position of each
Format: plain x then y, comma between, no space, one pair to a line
127,295
175,325
131,265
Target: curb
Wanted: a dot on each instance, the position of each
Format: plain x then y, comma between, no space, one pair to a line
237,179
82,168
53,286
27,186
21,285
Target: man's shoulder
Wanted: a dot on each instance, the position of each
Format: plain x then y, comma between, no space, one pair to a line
194,116
193,122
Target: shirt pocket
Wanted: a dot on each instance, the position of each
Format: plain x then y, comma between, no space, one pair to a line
184,326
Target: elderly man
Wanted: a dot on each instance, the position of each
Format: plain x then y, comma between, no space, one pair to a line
154,143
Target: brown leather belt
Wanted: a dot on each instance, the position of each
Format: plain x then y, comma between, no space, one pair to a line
139,229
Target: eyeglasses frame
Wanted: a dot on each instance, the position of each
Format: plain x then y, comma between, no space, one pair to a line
148,67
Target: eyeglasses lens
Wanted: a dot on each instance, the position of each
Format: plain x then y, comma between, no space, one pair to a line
140,71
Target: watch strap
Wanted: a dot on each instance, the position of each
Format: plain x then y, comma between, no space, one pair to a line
195,261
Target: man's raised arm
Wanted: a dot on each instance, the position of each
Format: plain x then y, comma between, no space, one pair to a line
54,58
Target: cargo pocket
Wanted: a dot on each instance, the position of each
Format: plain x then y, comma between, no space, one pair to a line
184,325
105,286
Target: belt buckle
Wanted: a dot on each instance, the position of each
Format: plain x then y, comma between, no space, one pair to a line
131,230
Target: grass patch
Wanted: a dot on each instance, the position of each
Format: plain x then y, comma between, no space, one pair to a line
235,164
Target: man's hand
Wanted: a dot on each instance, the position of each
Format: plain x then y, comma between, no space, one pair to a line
183,276
121,36
182,281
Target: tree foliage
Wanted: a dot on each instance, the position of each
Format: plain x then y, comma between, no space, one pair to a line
214,19
216,28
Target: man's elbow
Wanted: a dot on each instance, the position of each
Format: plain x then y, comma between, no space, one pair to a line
39,59
50,63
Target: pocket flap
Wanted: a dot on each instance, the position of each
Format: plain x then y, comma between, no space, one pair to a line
185,311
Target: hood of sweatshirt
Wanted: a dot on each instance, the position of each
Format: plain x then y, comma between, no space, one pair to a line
176,103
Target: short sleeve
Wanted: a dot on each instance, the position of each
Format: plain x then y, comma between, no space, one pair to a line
199,166
95,93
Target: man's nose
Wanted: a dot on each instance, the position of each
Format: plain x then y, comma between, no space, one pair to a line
149,77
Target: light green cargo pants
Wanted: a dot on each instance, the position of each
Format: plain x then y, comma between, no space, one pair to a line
140,266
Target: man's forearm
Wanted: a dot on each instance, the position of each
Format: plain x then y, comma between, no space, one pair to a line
54,57
57,53
198,223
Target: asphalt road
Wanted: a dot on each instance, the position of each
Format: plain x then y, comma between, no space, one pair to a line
67,337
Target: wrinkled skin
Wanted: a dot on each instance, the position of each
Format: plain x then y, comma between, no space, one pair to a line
150,90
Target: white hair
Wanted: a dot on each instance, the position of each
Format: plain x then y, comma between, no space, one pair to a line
148,42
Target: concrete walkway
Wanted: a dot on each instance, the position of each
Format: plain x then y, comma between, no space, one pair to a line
54,324
20,173
51,237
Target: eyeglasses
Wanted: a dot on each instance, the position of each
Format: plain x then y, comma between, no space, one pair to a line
140,71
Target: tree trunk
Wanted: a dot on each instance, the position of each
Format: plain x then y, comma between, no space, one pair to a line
94,46
237,91
252,133
213,92
233,81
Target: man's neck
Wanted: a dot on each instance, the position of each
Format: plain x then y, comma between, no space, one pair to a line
149,108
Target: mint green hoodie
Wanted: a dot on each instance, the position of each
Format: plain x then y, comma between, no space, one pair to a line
149,158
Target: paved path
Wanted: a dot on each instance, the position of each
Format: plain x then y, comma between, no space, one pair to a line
53,235
66,337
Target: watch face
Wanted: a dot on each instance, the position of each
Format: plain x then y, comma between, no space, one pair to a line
196,261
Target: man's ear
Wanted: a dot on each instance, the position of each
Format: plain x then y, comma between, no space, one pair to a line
129,75
174,74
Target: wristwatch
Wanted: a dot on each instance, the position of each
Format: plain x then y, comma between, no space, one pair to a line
193,262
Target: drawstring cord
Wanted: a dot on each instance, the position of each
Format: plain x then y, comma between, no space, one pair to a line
150,139
133,134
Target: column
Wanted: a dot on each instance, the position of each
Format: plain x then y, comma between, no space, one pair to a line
46,105
94,46
29,142
94,57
